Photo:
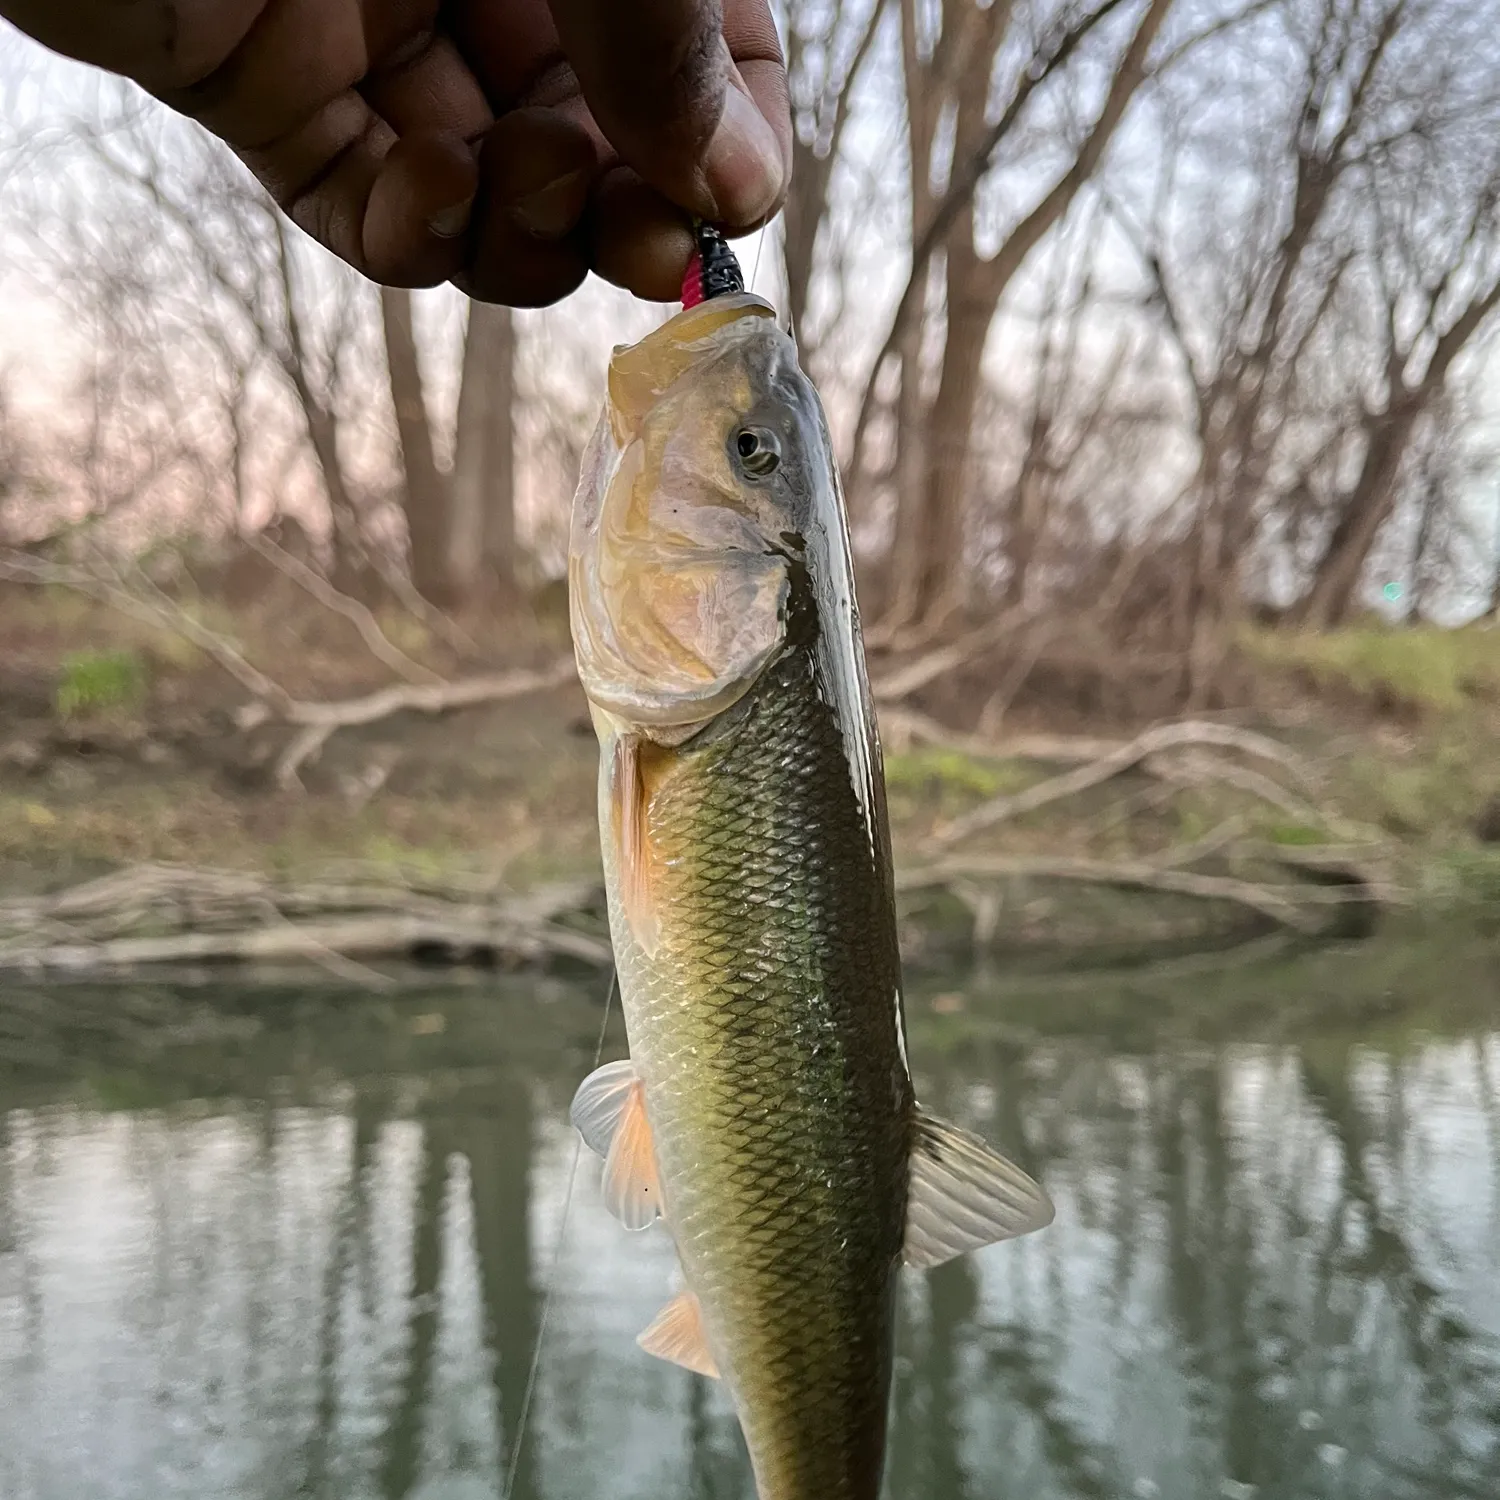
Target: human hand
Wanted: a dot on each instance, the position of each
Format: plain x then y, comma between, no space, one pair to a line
507,145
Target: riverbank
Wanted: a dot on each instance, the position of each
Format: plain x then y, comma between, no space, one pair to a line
1357,775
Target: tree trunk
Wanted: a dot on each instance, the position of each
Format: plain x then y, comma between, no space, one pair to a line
1369,505
931,508
936,530
481,558
1028,513
911,476
351,573
424,497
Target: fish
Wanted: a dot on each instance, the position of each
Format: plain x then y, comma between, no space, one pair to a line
766,1113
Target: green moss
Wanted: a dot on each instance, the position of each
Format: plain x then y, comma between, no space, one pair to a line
396,854
100,681
1471,876
1191,823
1294,835
1430,798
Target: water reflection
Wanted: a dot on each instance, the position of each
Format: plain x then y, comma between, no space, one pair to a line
299,1250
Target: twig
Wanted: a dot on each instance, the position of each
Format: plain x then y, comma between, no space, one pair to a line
360,615
425,698
320,720
421,611
901,726
1202,770
23,568
1215,841
1163,737
302,747
904,681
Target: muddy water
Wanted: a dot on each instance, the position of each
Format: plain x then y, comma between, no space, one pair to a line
289,1242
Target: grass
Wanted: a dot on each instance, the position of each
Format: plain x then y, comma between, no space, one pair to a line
1417,667
93,682
1423,705
927,783
1403,722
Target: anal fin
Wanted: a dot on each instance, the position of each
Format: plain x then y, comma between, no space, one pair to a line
676,1334
963,1195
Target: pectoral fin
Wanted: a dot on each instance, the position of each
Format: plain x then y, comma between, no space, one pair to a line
633,854
676,1334
964,1195
599,1103
609,1112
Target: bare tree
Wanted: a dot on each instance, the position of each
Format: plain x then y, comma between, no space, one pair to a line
828,42
482,541
424,496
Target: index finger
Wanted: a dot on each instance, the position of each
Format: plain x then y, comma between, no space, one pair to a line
661,80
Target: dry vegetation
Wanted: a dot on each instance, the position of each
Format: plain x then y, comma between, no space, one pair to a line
1154,367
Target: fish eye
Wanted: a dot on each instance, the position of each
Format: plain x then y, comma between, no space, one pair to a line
759,451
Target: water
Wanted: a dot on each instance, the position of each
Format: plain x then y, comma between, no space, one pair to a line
285,1242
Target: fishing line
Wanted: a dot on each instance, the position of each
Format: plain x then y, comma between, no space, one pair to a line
513,1469
786,282
760,244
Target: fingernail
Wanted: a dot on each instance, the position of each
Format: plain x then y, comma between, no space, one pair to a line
449,223
551,211
743,164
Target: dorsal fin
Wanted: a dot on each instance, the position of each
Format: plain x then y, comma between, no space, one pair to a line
963,1195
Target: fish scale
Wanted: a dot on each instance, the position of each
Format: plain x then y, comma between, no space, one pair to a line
770,1053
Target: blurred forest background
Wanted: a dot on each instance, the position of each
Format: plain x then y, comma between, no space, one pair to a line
1158,341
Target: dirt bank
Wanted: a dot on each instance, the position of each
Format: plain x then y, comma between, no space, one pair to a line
121,747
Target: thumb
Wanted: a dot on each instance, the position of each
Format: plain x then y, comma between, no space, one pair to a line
693,98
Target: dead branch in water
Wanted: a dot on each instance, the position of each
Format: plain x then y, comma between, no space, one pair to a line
164,914
1290,906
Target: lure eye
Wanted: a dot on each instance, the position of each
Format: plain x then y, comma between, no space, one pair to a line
760,453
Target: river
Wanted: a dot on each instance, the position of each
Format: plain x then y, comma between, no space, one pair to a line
280,1240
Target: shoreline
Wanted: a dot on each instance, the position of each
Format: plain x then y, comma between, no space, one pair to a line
1358,778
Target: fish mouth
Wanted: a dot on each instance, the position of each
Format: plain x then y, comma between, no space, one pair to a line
640,374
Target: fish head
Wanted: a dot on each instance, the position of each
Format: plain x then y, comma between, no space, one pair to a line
699,489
